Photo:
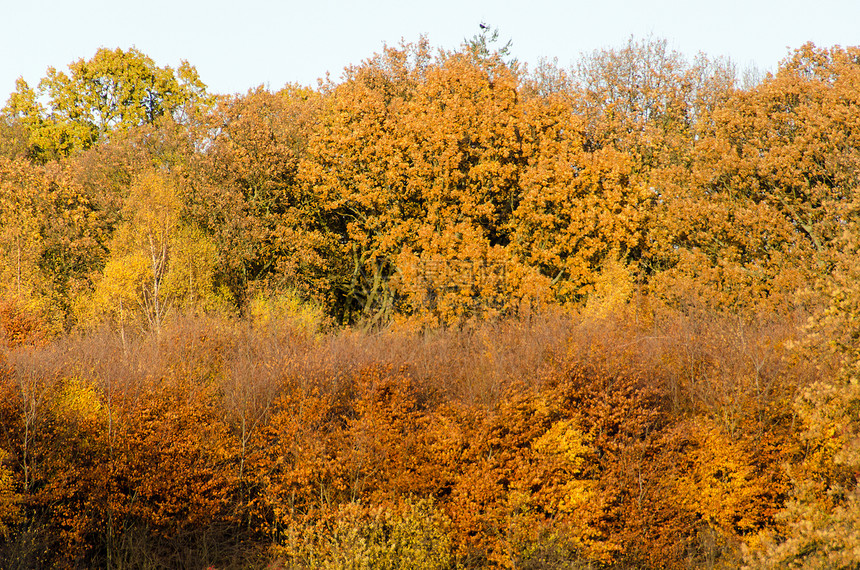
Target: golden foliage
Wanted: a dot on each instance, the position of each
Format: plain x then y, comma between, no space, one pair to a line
578,295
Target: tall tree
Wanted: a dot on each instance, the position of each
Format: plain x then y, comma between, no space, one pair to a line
792,141
114,90
645,99
157,263
769,187
244,192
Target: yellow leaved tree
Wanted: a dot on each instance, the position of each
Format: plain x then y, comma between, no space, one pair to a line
157,263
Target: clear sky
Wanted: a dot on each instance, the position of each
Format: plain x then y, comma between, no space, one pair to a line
239,44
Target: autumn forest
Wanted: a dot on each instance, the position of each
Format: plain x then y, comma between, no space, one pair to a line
447,311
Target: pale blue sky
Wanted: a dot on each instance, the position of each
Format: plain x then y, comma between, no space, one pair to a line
239,45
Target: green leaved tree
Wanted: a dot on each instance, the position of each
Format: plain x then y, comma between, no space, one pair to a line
114,90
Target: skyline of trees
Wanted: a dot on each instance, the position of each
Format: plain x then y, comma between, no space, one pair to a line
444,310
347,193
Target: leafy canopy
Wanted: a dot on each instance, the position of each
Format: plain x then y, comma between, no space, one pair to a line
115,90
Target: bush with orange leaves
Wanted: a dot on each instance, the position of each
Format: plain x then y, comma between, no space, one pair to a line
614,444
20,325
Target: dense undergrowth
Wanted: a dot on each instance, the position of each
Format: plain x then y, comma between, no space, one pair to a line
556,441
